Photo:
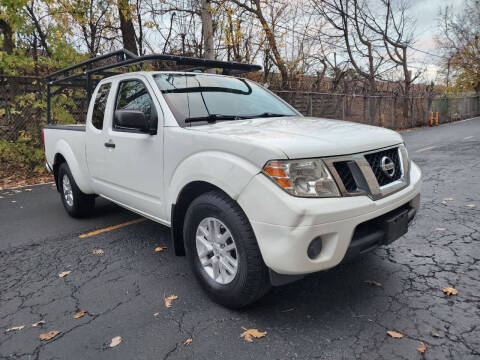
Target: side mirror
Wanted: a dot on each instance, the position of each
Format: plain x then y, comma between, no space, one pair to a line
131,119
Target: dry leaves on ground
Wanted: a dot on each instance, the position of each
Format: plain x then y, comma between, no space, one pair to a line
160,248
156,314
49,335
79,314
373,282
448,199
422,348
188,342
115,341
450,291
168,300
395,334
64,273
15,328
98,252
440,229
249,334
41,322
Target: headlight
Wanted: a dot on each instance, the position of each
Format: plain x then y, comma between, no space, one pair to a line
405,158
305,178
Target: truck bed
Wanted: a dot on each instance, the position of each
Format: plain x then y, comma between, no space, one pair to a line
69,141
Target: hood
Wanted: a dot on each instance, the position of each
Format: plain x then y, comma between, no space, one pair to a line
304,137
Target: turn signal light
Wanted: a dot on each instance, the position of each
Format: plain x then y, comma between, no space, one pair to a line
277,172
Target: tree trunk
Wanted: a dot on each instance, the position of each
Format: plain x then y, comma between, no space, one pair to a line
7,32
126,26
207,30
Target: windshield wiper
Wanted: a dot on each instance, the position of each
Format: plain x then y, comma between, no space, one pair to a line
266,114
213,117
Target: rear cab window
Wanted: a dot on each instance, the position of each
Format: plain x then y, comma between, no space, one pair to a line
100,105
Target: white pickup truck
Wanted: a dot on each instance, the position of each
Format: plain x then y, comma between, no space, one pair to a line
255,193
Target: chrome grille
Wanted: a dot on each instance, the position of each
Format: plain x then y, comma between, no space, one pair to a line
362,174
374,159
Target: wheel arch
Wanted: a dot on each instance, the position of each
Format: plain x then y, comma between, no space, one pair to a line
188,193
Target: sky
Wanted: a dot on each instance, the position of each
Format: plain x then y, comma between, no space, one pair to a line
426,13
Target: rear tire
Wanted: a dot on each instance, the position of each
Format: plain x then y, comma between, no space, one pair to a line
76,203
244,279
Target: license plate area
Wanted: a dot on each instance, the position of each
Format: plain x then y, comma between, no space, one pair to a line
395,225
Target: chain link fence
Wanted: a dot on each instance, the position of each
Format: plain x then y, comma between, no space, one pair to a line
393,112
23,112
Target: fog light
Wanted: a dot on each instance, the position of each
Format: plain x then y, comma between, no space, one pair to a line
314,248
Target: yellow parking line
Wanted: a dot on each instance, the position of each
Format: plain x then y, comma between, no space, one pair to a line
110,228
426,148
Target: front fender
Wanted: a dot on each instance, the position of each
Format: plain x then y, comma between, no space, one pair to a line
227,171
79,170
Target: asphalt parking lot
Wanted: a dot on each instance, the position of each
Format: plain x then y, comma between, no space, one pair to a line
337,314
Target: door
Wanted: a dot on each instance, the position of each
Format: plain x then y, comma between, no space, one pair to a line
95,134
134,159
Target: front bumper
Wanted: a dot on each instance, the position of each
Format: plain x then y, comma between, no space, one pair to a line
285,225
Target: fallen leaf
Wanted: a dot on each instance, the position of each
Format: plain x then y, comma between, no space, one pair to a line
79,314
422,348
450,291
471,206
395,334
41,322
156,314
448,199
115,341
15,328
373,282
168,300
434,334
64,273
49,335
28,189
160,248
248,333
97,252
440,229
188,342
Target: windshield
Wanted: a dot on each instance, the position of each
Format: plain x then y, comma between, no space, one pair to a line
198,96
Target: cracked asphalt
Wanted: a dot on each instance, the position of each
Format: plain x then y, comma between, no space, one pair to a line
330,315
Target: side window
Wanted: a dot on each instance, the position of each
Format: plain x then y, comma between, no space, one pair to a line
133,95
99,106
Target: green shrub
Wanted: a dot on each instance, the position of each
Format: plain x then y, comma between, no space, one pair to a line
23,151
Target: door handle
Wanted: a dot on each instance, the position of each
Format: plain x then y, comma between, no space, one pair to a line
110,145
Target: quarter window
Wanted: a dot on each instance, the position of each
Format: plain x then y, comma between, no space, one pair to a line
99,106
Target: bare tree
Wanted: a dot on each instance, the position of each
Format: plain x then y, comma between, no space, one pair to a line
346,19
396,31
255,8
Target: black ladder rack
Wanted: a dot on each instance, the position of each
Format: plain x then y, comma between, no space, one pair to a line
80,75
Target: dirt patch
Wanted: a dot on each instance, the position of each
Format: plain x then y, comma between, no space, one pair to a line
14,175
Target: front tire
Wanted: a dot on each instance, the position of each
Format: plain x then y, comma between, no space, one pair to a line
223,252
76,203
